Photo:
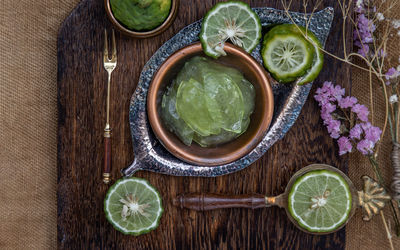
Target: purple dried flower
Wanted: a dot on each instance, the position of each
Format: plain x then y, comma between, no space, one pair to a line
333,127
391,72
328,108
382,53
372,133
335,134
347,102
338,92
363,50
362,134
355,132
344,145
365,146
363,35
361,111
325,94
326,117
359,7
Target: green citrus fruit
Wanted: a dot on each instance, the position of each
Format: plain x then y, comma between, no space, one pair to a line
320,201
133,206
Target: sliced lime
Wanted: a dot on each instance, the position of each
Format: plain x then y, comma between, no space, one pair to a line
318,60
232,20
133,206
320,201
287,55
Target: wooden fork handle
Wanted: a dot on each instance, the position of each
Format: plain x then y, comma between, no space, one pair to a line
107,159
204,202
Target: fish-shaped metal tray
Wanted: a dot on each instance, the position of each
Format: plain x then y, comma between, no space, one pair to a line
289,99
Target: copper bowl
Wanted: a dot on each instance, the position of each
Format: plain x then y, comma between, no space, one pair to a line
228,152
143,34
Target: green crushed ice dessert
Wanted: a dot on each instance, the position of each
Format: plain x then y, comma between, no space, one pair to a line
141,14
208,103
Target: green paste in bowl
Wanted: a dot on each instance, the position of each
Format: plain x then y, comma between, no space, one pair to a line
208,103
141,15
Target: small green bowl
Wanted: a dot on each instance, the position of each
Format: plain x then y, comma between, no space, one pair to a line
143,34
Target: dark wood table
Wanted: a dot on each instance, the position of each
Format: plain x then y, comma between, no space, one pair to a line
81,110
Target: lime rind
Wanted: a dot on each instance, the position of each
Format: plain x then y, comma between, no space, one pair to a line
304,222
117,225
208,50
318,62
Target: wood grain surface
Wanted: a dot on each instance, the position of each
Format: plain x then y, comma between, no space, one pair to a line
81,109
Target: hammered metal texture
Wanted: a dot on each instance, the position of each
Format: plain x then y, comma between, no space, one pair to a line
289,99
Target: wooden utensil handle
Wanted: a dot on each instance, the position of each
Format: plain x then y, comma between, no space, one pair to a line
107,159
203,202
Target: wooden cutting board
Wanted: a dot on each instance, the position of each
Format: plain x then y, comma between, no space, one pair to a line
81,110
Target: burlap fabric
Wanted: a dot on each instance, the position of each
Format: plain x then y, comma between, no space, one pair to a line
359,234
28,123
371,235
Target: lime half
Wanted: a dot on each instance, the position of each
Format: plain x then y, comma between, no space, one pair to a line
320,201
133,206
234,21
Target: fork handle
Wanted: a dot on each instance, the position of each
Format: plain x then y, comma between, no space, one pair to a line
107,157
204,202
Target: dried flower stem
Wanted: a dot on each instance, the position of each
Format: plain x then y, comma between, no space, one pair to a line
371,99
389,236
385,94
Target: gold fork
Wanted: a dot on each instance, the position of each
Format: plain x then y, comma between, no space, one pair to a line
109,65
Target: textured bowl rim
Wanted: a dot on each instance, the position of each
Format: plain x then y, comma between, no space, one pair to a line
181,153
145,34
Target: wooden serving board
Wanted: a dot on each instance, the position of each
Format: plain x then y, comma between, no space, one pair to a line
81,106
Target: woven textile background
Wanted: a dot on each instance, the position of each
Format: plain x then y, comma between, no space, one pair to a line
28,125
371,235
28,121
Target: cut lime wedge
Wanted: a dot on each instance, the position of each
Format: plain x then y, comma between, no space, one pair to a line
320,201
287,55
133,206
234,21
